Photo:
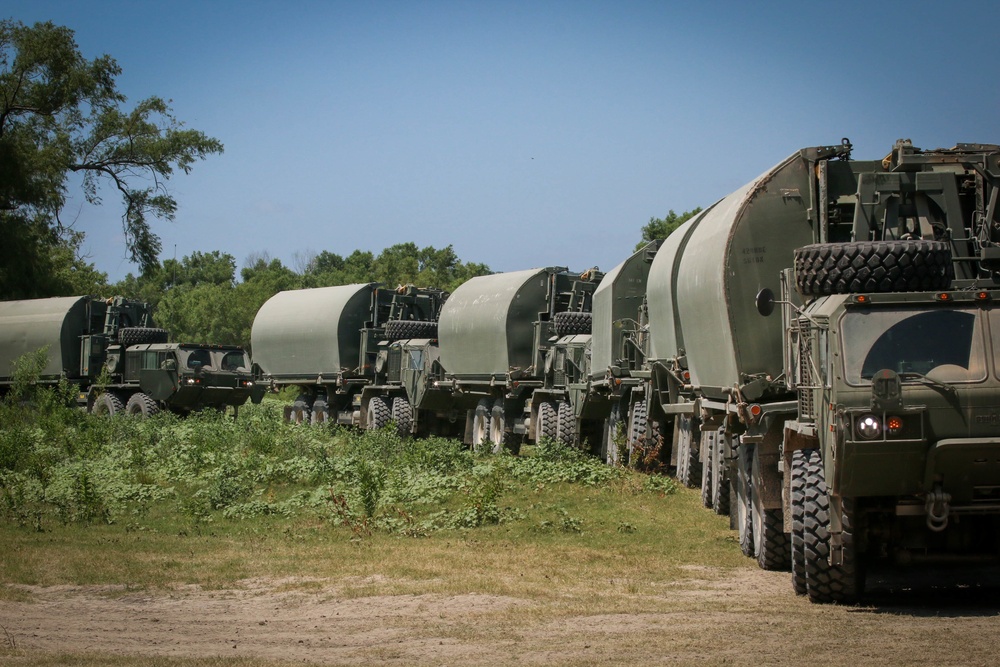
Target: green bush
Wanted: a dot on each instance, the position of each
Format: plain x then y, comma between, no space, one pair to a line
60,465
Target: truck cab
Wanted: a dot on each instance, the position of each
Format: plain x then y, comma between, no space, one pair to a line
180,377
902,394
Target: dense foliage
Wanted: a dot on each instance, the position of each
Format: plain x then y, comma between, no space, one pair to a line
62,115
198,298
661,228
59,465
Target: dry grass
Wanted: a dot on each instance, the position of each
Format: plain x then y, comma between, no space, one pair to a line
671,589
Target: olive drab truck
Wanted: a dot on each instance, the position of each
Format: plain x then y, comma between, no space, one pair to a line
891,346
858,427
496,334
331,343
120,362
605,381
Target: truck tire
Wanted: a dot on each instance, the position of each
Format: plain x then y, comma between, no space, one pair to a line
770,540
403,329
481,425
873,266
611,450
744,506
378,415
571,323
800,460
637,423
300,413
826,582
129,336
320,413
720,476
402,414
688,465
707,446
108,404
501,437
566,431
141,405
548,423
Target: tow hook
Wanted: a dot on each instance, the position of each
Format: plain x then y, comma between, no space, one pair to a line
937,510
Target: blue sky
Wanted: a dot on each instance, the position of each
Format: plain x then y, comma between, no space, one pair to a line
524,134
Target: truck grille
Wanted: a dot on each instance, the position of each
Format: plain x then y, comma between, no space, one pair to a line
395,362
807,407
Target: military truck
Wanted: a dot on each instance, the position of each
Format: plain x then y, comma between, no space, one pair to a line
860,426
330,342
601,373
121,363
892,455
496,333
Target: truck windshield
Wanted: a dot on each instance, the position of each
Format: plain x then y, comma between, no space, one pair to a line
199,358
234,360
945,344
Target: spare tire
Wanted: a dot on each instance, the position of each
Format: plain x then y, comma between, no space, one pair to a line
873,266
129,336
402,329
571,323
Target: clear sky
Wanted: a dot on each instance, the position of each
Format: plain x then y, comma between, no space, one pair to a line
524,134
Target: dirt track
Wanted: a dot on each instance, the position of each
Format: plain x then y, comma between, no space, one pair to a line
744,617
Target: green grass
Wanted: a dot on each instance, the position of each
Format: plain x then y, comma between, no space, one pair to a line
212,501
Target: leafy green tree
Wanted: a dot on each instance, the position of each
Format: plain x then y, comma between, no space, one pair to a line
62,115
661,228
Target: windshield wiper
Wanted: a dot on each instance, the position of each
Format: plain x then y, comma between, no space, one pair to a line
911,375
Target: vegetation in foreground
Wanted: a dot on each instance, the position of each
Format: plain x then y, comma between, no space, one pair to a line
210,499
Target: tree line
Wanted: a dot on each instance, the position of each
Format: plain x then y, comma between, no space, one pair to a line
199,299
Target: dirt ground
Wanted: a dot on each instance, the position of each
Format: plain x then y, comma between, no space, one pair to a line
742,617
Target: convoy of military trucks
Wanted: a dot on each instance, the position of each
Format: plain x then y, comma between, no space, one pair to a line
815,351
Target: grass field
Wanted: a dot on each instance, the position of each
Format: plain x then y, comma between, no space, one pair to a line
250,542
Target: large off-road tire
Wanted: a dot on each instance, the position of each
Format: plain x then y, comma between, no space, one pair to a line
548,422
720,476
572,323
707,446
402,413
613,449
379,414
108,404
320,412
688,465
872,266
141,405
129,336
800,459
744,499
683,445
403,329
566,432
501,436
481,425
770,542
637,424
826,582
301,412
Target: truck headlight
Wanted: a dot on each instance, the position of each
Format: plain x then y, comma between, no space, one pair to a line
869,427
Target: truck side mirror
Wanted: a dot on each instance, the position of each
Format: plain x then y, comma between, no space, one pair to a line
765,302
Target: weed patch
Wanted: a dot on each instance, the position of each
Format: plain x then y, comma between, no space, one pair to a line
60,466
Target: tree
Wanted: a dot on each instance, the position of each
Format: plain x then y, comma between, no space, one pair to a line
60,115
661,228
